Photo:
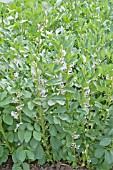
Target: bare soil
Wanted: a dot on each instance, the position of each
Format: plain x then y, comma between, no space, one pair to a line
55,166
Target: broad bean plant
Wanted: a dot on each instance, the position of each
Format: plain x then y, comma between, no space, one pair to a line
56,82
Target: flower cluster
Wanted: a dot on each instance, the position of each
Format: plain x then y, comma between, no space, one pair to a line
17,126
14,114
75,135
19,107
73,145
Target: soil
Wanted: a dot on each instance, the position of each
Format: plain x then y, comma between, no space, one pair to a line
47,166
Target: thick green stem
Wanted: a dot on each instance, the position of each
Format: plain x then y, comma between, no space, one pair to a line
44,132
82,97
20,116
41,116
67,100
67,103
5,137
40,109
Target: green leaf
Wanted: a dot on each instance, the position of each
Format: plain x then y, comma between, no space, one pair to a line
42,161
22,155
61,102
39,152
37,127
55,81
16,167
55,143
3,95
37,135
105,141
64,117
58,98
22,126
1,151
34,143
25,166
6,101
14,157
27,94
30,105
10,136
30,154
58,3
70,90
60,110
8,119
50,119
37,101
28,112
56,120
51,102
99,152
21,135
27,136
111,110
52,130
74,106
98,105
108,157
29,127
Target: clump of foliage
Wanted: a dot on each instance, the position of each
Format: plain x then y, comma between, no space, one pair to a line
56,82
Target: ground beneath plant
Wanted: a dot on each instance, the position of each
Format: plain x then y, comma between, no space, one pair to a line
47,166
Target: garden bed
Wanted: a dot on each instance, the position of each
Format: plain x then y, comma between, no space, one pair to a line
33,166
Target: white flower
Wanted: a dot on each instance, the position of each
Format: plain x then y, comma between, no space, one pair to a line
42,81
76,136
86,104
19,108
60,76
70,70
62,85
64,66
14,114
16,74
43,93
77,147
63,52
73,145
15,100
17,126
57,61
89,160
